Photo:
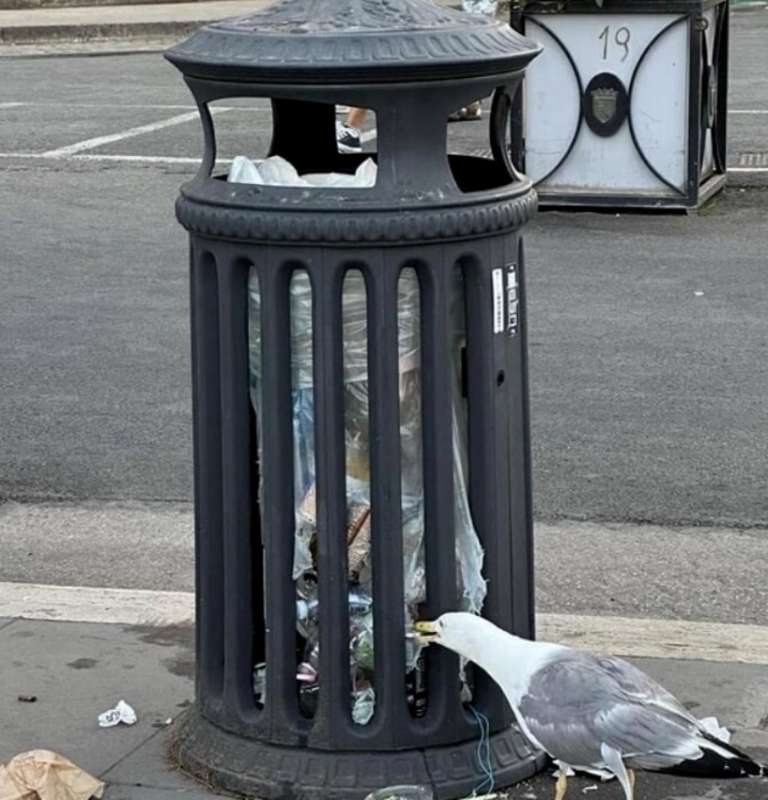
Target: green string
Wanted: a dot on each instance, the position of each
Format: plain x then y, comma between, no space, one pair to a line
483,754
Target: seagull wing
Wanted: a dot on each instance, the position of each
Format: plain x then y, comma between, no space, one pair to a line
640,687
578,705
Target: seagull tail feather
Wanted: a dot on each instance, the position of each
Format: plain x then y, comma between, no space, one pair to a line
719,760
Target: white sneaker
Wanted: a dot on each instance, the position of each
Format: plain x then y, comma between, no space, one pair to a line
348,139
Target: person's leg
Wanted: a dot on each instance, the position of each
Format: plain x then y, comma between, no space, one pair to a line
348,134
356,117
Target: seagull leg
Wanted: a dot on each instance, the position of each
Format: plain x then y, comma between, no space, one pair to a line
632,777
615,764
561,786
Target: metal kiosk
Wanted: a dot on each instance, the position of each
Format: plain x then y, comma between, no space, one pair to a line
627,106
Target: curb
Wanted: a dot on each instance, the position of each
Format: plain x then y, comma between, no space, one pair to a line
47,5
79,34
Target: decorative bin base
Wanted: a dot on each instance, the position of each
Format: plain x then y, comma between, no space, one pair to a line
256,769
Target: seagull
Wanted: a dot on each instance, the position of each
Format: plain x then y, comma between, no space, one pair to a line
593,714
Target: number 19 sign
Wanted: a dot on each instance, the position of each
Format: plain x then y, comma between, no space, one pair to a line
625,107
621,37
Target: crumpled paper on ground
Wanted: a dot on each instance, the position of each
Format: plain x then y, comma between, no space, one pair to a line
44,775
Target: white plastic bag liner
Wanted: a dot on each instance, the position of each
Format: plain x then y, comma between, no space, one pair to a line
243,170
276,171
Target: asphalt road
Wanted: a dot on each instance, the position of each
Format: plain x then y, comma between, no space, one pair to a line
648,333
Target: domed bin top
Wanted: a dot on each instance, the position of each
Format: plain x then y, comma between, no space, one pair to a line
352,41
412,63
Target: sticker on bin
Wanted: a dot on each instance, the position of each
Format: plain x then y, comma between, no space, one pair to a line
513,301
498,301
506,300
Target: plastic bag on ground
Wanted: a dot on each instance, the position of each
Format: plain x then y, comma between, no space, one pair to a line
122,712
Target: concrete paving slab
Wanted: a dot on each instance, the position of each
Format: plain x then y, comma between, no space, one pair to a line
148,767
650,786
76,672
71,666
737,694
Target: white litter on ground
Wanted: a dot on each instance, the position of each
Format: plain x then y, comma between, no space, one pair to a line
122,712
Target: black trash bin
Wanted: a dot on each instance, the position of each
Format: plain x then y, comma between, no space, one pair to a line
360,405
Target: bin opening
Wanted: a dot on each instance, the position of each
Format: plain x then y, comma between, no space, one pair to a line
311,139
479,140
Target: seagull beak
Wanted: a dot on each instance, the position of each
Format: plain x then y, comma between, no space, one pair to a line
426,631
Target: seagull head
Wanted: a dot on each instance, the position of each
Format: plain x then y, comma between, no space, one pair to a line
464,633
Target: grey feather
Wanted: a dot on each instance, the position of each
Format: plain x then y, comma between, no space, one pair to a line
579,702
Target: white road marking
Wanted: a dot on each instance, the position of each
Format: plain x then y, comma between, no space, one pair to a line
10,105
147,159
747,111
257,106
98,141
748,170
639,638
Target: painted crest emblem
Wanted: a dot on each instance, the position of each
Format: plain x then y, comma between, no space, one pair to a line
604,102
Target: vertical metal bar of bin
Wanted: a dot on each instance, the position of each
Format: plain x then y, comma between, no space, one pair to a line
487,449
521,523
391,714
206,415
332,719
236,481
278,516
437,338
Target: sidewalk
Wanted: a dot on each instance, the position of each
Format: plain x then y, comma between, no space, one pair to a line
141,26
77,670
89,25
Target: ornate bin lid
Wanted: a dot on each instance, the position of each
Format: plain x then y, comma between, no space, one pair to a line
352,42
